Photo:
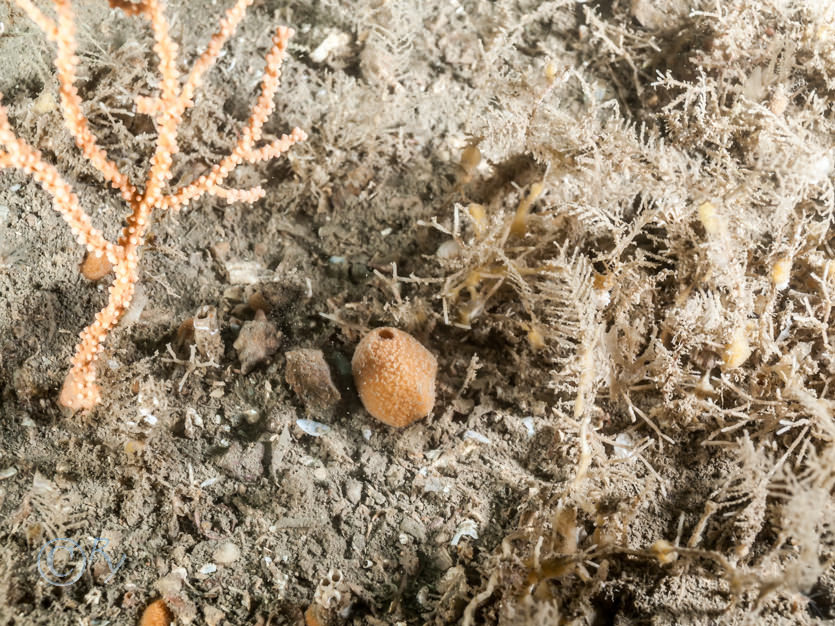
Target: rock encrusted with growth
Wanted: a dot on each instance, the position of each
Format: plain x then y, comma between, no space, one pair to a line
310,377
257,342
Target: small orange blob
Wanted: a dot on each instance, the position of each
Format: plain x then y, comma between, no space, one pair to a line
95,267
157,614
395,376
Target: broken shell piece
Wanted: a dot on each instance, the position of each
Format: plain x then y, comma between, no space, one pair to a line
137,305
331,601
202,331
737,350
781,273
330,43
448,249
475,436
329,590
314,429
257,341
207,334
467,528
246,272
395,376
308,374
226,553
220,250
44,103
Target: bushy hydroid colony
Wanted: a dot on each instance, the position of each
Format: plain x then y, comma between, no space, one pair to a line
652,228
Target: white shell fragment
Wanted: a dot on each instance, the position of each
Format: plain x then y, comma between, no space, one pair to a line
246,272
137,305
448,249
312,428
226,553
467,528
471,434
623,446
147,416
332,593
330,43
435,485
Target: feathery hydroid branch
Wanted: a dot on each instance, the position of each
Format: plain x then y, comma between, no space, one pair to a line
80,390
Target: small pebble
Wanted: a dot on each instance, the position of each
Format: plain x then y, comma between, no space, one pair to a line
353,491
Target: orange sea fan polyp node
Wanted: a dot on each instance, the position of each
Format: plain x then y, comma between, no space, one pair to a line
395,376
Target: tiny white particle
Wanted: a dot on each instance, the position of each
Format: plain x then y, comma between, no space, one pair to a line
471,434
623,446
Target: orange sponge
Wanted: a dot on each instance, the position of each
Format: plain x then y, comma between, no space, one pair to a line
157,614
395,376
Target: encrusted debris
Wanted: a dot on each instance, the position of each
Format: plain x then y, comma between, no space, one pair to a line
203,331
310,377
257,342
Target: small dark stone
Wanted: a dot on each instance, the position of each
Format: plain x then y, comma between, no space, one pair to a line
359,272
